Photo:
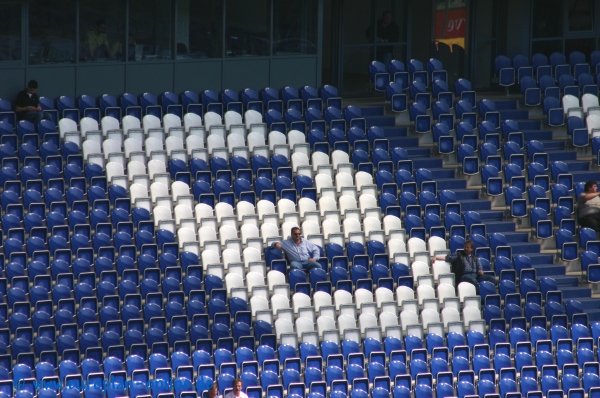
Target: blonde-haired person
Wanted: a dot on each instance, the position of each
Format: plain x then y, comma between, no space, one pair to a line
214,391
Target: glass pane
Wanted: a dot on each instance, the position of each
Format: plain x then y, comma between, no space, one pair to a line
10,32
51,32
102,31
581,14
295,27
357,22
546,46
247,29
586,46
546,21
199,29
356,80
150,29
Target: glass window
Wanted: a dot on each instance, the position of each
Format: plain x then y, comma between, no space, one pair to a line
586,46
581,14
547,18
247,29
150,29
102,30
10,32
295,27
199,29
51,31
358,20
546,47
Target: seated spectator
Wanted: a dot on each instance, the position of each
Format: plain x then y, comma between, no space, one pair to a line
301,253
588,207
466,266
27,104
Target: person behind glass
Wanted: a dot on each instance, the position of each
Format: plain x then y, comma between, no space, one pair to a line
97,42
388,31
466,266
588,207
237,390
27,104
302,253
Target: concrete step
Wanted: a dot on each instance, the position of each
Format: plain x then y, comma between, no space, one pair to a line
514,237
418,152
526,124
562,281
490,215
524,248
372,111
468,194
593,315
507,228
575,292
394,131
589,303
553,145
578,165
540,258
380,121
513,114
583,176
552,270
426,163
563,155
506,104
442,173
477,205
452,184
403,142
537,134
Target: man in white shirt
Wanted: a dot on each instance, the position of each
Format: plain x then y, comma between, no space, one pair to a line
237,390
301,253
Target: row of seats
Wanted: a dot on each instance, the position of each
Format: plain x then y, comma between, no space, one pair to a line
189,101
539,66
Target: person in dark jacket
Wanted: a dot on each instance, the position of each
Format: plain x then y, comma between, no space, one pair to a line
466,266
27,104
387,31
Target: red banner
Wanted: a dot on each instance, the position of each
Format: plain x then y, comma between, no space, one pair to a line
455,23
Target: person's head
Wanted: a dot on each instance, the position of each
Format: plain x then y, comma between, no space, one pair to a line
590,186
469,247
296,235
237,386
32,86
214,391
101,26
387,17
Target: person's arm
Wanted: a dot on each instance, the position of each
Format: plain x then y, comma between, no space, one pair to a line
21,104
448,258
20,109
315,252
589,196
478,266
